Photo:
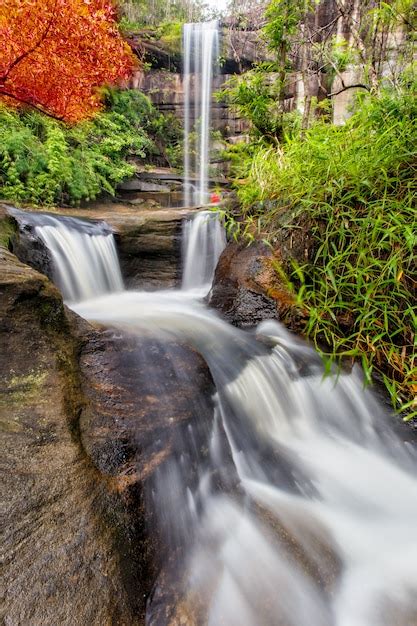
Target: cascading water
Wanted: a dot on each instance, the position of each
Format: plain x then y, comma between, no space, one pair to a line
203,242
302,508
84,255
293,507
200,46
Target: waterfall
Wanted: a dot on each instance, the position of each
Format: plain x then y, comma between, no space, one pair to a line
84,256
200,46
203,242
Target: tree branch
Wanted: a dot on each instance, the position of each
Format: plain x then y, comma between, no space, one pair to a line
25,54
346,87
31,105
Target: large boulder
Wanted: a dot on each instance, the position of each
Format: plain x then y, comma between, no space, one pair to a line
143,398
90,420
60,562
247,288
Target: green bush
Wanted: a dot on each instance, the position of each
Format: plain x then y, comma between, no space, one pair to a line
355,186
164,130
254,95
44,162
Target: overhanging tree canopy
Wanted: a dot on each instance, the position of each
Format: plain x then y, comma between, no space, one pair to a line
54,54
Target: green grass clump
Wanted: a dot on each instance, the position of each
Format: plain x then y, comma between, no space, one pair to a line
355,186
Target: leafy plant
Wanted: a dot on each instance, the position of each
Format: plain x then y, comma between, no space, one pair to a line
255,96
355,187
43,161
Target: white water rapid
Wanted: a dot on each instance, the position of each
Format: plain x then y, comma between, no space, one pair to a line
200,47
295,505
312,522
203,242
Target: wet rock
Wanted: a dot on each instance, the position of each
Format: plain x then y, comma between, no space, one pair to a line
247,290
150,253
60,559
32,251
136,184
147,427
305,542
148,241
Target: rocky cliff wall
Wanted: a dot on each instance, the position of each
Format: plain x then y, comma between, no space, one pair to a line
240,49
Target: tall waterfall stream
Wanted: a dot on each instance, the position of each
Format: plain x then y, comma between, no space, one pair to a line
201,48
299,511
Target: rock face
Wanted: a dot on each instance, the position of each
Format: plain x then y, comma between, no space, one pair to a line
31,250
247,290
150,252
239,51
60,560
143,398
165,89
148,243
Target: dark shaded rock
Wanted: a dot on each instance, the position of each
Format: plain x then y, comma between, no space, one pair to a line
246,288
27,246
32,251
150,254
250,308
145,400
141,394
137,184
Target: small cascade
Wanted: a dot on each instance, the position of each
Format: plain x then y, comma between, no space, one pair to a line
203,242
200,44
84,256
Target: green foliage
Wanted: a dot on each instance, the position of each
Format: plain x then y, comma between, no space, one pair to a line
137,14
283,20
170,35
164,130
44,162
255,96
355,186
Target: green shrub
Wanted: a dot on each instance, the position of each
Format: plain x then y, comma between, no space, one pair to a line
44,162
356,186
164,130
254,95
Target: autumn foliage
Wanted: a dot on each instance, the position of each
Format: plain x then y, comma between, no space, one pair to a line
55,54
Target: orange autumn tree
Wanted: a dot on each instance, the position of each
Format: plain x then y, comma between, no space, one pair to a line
55,54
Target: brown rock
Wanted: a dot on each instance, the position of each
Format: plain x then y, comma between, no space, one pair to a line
60,560
148,242
88,418
247,288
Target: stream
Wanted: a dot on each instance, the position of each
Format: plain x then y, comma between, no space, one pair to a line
297,509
